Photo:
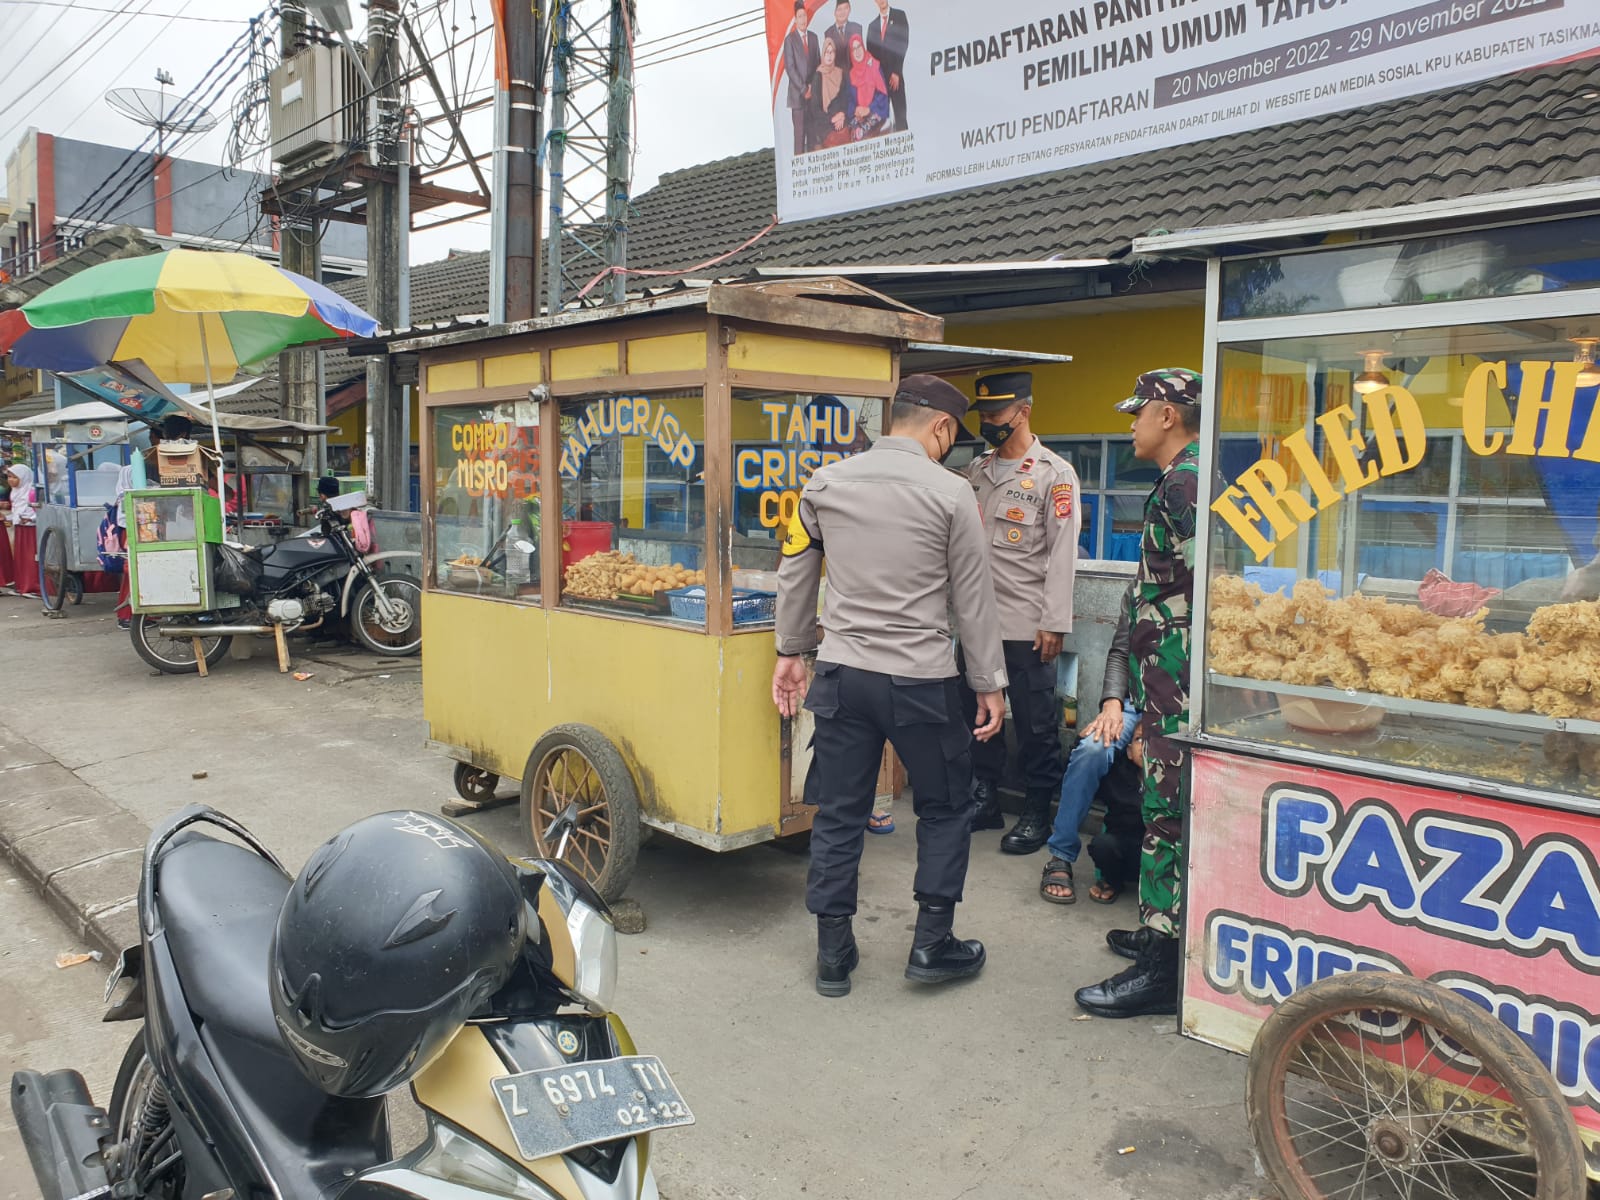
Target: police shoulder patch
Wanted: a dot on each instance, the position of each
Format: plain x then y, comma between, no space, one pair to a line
796,540
1061,497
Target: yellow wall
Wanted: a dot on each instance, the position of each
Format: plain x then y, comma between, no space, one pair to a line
692,714
1109,350
352,427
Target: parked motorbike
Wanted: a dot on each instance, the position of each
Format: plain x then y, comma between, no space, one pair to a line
299,583
271,1033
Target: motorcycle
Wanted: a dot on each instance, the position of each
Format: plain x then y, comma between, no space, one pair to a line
540,1095
298,583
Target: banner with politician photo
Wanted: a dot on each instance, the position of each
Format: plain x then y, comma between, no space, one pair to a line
877,101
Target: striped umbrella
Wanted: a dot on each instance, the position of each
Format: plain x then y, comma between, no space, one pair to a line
191,316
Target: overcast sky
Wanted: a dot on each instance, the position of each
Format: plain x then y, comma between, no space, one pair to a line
57,61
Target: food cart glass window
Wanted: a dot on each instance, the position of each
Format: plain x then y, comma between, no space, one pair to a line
1407,572
632,471
486,512
1540,257
780,439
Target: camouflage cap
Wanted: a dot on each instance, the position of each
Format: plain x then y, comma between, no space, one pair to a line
1171,385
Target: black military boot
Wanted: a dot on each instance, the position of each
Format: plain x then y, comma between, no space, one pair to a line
937,955
1148,988
1032,829
986,807
1131,943
836,955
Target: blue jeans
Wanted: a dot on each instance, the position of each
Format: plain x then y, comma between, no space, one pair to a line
1089,764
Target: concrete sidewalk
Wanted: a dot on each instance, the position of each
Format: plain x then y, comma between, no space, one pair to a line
996,1088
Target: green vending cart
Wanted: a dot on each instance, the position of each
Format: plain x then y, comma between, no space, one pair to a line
169,530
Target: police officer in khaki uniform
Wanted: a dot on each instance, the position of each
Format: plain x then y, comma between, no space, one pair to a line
1030,502
903,546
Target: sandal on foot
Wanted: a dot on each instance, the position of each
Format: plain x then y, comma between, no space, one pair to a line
1057,874
880,823
1101,892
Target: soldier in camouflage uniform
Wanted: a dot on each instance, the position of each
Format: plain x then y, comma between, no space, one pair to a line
1166,408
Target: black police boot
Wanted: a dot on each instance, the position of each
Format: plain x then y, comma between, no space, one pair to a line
1131,943
1032,829
937,954
986,807
1148,988
836,955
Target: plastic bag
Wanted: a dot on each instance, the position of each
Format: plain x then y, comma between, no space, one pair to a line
361,531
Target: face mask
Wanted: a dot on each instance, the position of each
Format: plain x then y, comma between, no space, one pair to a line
995,435
948,450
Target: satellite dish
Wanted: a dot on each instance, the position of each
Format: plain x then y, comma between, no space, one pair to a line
161,112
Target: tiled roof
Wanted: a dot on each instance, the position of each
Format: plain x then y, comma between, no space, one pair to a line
1535,127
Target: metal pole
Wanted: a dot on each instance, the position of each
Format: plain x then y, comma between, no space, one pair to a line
386,237
497,211
619,147
525,58
300,251
560,55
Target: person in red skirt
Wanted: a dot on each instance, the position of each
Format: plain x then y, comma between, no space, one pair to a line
24,539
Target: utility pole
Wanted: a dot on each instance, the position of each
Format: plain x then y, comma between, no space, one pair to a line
619,149
388,455
300,251
524,36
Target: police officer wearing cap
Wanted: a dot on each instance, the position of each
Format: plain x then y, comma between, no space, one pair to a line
1029,499
904,547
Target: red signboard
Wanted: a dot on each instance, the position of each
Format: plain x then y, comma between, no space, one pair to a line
1297,873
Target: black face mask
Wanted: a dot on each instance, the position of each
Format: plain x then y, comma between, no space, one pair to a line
948,451
995,435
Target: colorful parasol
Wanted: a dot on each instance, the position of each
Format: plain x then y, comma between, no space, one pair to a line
174,309
190,316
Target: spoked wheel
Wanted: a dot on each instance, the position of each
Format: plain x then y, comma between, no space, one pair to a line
1372,1086
474,784
577,763
391,628
174,656
53,573
145,1155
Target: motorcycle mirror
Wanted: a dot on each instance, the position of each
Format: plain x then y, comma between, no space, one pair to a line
524,546
562,829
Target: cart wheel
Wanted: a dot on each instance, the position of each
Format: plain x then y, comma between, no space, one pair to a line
75,588
474,784
575,762
1358,1085
53,575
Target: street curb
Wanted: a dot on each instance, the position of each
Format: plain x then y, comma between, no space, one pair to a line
77,849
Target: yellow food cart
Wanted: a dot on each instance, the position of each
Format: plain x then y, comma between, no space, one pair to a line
605,494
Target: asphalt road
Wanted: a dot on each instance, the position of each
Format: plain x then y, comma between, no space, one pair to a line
993,1088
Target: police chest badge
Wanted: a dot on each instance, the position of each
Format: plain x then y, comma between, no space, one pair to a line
1027,485
1061,497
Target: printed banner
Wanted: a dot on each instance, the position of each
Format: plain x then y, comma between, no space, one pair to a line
875,101
1296,873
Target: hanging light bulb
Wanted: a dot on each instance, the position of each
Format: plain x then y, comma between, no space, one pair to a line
1372,377
1588,372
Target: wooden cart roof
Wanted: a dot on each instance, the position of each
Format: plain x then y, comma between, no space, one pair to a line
827,304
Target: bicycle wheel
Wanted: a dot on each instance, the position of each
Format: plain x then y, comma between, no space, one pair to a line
1386,1087
53,584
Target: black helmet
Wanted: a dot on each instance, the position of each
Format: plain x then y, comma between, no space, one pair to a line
396,931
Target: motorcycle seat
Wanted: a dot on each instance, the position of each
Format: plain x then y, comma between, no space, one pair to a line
219,903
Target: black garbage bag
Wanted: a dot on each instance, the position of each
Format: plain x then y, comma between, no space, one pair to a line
234,571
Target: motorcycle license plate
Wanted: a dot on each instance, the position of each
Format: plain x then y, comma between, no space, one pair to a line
558,1109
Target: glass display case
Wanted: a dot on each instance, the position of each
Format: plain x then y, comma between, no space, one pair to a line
1406,571
485,497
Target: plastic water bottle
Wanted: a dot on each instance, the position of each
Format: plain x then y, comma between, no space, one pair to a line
136,466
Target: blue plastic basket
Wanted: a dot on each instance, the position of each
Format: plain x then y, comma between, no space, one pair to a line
750,607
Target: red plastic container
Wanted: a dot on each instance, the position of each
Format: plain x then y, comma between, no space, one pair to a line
580,539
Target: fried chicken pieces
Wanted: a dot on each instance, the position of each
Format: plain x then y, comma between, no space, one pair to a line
1367,643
